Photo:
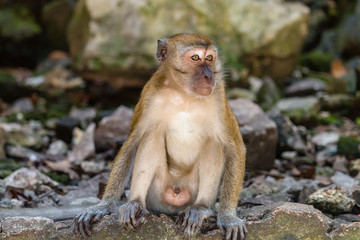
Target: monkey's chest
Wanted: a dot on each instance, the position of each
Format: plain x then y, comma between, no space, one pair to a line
184,138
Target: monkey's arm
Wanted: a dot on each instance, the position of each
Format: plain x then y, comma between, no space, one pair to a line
235,151
117,180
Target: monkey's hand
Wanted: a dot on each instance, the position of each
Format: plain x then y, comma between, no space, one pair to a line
132,214
82,222
192,219
233,227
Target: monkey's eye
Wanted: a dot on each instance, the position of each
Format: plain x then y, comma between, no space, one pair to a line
195,57
209,58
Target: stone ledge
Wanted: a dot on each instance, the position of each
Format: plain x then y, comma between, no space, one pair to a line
276,221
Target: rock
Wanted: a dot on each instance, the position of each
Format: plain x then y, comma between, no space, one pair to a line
354,167
268,199
25,153
325,138
349,35
86,188
343,180
331,200
64,128
85,201
84,115
289,155
281,222
301,110
346,232
11,225
258,188
24,135
28,179
92,167
268,94
113,129
336,102
61,79
323,155
11,203
340,164
34,81
235,93
56,16
259,133
273,46
289,135
85,148
305,87
58,147
23,105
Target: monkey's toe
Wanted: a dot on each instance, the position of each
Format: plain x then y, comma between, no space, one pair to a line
132,215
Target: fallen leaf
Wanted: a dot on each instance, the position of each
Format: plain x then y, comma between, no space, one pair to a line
337,69
63,166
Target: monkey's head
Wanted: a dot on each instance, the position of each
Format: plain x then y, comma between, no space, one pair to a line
192,61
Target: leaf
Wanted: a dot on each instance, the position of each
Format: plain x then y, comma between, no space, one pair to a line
337,69
63,166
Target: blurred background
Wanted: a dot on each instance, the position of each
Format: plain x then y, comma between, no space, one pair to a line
72,71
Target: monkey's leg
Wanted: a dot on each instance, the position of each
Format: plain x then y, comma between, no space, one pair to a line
150,156
210,167
117,180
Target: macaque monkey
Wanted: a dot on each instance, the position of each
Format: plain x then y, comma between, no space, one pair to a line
186,144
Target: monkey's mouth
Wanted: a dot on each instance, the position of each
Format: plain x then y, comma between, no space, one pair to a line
204,91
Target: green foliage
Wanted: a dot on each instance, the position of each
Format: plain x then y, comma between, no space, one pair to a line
7,166
349,146
334,119
316,60
357,121
58,177
17,23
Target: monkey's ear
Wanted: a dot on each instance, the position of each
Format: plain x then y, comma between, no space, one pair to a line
161,52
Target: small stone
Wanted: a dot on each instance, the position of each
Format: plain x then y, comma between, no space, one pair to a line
28,179
64,128
305,87
113,129
289,135
325,138
354,167
84,115
85,201
25,153
289,155
331,200
340,164
34,81
23,105
343,180
19,224
58,147
85,148
3,140
11,203
301,110
92,167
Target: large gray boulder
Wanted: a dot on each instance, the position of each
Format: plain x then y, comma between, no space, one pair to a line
112,36
259,133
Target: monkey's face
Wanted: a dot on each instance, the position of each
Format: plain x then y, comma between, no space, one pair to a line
200,63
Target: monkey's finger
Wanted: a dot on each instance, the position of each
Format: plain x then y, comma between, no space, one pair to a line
243,232
235,233
228,234
96,218
87,228
81,229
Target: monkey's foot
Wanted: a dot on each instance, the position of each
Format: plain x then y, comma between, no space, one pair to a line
132,214
232,227
82,222
192,218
